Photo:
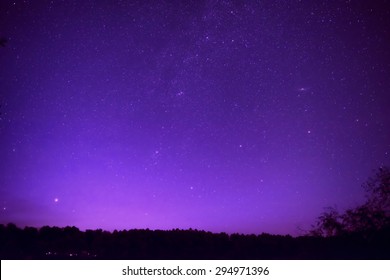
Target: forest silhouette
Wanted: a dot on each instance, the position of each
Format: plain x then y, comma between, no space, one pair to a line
358,233
71,243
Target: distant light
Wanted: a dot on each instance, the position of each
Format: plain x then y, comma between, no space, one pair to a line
56,199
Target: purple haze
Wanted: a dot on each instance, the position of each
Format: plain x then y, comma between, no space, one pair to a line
214,115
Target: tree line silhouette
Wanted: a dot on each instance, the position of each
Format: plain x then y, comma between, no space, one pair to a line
71,243
359,233
371,216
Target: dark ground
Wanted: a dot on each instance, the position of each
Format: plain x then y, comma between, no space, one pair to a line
71,243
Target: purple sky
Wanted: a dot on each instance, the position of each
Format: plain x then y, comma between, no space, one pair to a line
215,115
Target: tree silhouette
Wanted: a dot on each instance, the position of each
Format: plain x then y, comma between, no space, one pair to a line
378,190
373,215
71,243
328,223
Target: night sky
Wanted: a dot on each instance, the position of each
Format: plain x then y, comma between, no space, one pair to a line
229,116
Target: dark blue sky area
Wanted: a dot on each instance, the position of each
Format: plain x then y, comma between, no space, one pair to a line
227,116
